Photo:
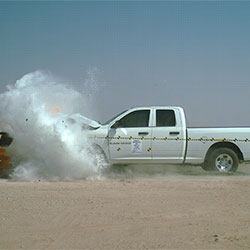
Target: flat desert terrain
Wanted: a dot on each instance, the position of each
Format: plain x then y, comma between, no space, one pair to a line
137,208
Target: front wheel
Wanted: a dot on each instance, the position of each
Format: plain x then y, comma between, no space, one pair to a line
222,160
98,156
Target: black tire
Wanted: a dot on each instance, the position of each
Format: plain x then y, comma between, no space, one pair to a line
5,174
205,166
223,160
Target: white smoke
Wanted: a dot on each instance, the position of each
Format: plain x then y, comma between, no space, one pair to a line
38,113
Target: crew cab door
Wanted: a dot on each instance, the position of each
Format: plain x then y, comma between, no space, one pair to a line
129,141
168,142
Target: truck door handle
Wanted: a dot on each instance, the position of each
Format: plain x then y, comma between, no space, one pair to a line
174,133
143,133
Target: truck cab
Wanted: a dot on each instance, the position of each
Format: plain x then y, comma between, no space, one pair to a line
148,134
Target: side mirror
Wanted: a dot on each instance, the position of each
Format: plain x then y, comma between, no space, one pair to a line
117,124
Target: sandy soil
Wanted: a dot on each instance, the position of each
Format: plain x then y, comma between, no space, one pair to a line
174,211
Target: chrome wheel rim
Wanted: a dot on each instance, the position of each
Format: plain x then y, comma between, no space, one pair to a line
224,162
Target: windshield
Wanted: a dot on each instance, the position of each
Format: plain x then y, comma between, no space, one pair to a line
110,120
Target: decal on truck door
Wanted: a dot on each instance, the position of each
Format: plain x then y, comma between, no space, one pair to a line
136,146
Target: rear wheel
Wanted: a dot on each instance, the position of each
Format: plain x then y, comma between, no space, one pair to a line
222,160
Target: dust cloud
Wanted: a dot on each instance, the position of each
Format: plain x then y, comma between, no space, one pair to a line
50,142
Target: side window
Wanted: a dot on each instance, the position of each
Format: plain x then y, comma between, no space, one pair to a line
138,118
165,118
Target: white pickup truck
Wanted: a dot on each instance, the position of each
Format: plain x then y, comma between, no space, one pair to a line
159,135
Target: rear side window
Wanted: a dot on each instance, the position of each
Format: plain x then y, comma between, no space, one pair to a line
165,118
138,118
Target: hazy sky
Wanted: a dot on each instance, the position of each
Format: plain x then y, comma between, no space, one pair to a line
194,54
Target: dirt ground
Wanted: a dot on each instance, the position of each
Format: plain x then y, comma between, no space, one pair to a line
133,209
